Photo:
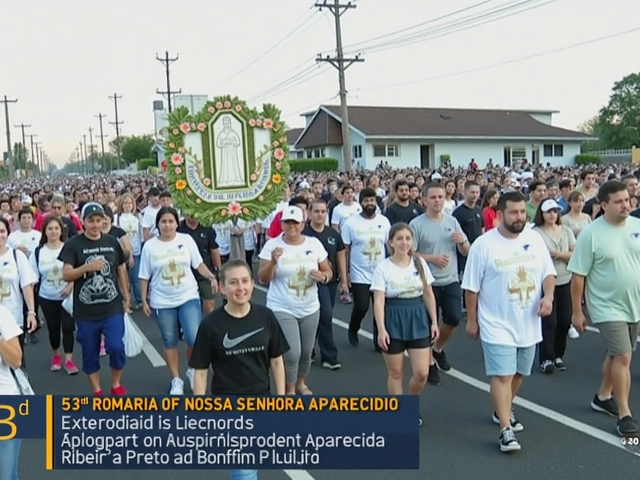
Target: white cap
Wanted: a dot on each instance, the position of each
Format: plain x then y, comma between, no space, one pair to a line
292,214
550,204
436,176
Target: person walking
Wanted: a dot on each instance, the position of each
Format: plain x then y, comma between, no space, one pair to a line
605,265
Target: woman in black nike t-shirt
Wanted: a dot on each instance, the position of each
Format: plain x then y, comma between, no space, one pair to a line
243,343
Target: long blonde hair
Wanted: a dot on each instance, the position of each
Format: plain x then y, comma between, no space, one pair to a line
417,261
121,199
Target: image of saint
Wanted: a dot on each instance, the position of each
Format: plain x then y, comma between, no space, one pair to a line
230,161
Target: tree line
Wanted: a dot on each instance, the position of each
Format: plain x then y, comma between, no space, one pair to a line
122,153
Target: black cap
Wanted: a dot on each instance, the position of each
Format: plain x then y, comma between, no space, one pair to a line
90,209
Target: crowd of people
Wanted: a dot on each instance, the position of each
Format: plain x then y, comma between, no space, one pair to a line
525,253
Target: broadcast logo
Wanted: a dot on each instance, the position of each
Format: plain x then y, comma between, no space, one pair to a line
8,413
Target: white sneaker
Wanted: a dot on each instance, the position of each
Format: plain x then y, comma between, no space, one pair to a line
191,376
177,387
573,333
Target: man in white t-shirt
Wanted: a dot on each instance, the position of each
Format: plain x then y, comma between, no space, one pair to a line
345,210
508,269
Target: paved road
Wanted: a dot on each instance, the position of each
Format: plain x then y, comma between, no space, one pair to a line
563,437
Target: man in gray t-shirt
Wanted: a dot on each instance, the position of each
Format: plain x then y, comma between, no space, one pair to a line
438,238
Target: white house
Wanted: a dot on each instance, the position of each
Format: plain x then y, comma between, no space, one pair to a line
424,137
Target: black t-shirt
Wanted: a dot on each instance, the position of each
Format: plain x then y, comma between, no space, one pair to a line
96,295
470,220
205,239
239,350
117,232
69,227
635,213
332,243
588,207
397,213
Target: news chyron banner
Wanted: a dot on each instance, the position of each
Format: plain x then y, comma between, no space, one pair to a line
278,432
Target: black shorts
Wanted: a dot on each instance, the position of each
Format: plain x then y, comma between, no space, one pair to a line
399,346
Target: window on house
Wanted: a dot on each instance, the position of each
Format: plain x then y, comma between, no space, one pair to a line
309,154
379,150
558,150
547,150
357,151
318,153
393,150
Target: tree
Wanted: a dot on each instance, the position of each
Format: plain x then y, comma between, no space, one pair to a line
21,159
619,121
132,148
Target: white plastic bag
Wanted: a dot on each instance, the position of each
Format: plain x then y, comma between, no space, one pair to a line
67,304
132,339
22,380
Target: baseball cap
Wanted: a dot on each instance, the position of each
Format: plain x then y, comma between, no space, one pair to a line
292,214
436,176
550,204
90,209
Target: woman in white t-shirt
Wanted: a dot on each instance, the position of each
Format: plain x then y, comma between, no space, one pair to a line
10,357
292,264
165,269
129,220
53,290
18,279
405,311
450,202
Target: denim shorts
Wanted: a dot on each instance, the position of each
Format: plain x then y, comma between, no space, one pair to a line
189,315
9,455
506,361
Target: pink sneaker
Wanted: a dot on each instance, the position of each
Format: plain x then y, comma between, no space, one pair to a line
118,391
56,363
103,351
98,393
70,367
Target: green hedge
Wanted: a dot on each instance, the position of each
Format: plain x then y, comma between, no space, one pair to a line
588,159
145,163
313,164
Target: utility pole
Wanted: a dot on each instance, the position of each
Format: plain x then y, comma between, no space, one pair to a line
93,167
102,137
37,152
83,161
33,157
166,61
12,167
117,124
22,126
341,64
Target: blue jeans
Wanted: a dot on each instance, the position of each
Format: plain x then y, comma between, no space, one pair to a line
189,315
240,475
88,335
134,281
9,454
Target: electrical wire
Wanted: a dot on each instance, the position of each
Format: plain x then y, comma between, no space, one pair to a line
459,25
500,64
304,20
302,77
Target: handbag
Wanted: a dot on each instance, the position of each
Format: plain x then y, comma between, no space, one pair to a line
22,381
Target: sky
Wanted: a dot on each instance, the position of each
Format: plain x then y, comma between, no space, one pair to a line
62,60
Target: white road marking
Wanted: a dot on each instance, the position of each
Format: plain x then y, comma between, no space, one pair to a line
298,474
531,406
149,350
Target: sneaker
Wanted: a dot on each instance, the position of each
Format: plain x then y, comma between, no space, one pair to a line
573,333
516,425
508,441
191,375
70,367
434,377
98,393
547,366
441,360
177,387
103,350
419,420
609,406
331,365
56,363
627,427
346,298
33,338
118,391
559,365
353,338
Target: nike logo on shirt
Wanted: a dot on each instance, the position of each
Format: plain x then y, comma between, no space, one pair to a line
229,343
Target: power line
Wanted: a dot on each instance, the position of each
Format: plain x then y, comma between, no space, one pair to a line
117,124
500,64
166,61
287,37
12,167
304,76
341,63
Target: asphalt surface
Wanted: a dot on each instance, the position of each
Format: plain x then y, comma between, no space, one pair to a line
563,438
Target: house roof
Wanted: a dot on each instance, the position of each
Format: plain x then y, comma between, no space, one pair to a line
293,135
409,122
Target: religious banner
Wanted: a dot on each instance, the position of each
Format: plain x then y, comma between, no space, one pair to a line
228,162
